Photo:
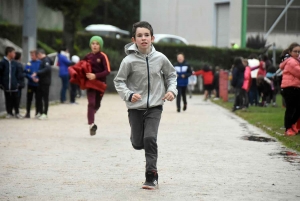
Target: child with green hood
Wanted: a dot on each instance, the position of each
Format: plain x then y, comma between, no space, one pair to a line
100,69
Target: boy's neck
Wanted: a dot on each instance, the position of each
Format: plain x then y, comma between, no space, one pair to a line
8,58
145,51
95,52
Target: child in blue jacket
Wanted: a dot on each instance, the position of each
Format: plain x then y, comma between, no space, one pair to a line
32,84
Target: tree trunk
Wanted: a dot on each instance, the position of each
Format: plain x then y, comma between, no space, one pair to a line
69,33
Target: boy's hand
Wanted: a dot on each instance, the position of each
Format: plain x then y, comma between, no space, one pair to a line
91,76
169,96
33,74
135,97
183,76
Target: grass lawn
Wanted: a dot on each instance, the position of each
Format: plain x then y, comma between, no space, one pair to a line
270,119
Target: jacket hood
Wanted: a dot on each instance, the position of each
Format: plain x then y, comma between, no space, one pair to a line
131,48
283,64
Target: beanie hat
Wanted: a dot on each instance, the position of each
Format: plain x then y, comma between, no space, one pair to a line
98,39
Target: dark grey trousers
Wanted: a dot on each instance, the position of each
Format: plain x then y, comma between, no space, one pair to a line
144,127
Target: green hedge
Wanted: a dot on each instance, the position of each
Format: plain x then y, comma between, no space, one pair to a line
114,48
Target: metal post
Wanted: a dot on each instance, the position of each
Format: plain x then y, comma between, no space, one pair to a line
29,28
278,19
274,55
244,23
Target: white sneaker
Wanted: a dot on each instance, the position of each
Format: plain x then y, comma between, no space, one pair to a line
18,116
37,116
43,117
9,116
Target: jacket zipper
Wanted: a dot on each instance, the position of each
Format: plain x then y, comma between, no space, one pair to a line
148,82
9,84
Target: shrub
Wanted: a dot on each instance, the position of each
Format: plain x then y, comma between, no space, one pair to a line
256,42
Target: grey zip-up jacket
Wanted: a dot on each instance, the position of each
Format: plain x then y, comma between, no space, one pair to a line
145,75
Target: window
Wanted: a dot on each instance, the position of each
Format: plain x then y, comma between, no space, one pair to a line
177,41
263,13
165,40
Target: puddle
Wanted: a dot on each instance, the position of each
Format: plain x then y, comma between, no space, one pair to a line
289,156
258,139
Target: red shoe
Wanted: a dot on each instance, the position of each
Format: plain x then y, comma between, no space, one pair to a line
289,132
294,127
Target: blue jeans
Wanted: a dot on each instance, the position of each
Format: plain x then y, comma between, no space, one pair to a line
64,88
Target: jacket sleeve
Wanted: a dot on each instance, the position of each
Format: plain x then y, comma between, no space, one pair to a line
27,74
1,72
293,68
170,76
106,64
234,77
65,60
46,69
20,75
188,72
120,81
199,72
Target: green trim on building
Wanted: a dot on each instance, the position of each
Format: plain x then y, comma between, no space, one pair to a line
244,23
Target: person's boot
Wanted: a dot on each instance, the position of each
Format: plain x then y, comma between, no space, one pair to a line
151,182
184,107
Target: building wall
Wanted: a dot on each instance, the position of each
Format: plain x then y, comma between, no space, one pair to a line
192,19
11,11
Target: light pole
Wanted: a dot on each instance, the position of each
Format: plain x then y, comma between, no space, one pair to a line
29,28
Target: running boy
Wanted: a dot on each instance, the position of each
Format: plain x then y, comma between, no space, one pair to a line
140,84
100,69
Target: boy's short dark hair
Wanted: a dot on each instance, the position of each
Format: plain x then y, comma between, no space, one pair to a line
141,24
18,55
40,51
9,50
180,53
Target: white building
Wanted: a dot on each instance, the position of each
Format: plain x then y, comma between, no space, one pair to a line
219,22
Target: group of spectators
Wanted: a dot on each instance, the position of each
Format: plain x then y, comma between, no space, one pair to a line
12,81
37,71
257,82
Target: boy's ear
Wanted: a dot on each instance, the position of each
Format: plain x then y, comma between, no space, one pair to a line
152,38
133,39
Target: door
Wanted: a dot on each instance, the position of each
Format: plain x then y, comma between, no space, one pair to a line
222,25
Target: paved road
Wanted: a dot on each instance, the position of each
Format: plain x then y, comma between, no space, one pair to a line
202,156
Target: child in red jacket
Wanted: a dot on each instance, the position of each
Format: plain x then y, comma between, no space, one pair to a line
100,69
208,79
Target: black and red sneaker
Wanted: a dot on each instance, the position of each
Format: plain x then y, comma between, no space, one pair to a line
151,182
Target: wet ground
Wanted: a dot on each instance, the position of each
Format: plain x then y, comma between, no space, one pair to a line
205,153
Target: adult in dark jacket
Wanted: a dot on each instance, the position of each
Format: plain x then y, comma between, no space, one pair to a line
237,82
32,84
44,80
183,71
10,81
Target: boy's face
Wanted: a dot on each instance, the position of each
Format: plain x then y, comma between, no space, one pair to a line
180,58
33,56
143,38
11,55
95,46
